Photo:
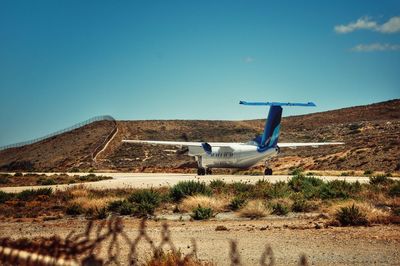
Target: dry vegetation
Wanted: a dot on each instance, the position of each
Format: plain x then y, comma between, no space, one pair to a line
32,179
378,201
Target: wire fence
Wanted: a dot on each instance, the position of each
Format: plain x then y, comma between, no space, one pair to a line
110,236
81,124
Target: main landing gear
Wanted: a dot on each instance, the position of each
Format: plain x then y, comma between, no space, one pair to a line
204,171
268,171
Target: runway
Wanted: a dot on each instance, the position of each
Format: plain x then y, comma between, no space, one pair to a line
148,180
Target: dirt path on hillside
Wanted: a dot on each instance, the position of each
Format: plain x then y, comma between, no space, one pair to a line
327,246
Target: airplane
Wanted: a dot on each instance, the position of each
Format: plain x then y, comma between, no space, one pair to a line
241,155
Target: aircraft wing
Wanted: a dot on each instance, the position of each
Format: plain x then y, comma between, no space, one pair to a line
180,143
294,145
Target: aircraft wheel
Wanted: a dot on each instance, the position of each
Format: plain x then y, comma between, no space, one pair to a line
201,171
208,171
268,171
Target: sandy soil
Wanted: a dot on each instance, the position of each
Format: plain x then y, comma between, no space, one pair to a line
289,238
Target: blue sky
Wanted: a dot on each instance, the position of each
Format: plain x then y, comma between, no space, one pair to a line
62,62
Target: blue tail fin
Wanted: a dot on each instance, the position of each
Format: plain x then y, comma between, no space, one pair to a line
270,136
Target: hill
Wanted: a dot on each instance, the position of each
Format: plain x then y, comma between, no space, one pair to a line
371,134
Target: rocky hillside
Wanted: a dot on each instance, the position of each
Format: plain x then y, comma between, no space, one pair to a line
371,134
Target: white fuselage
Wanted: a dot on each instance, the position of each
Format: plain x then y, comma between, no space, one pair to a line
235,156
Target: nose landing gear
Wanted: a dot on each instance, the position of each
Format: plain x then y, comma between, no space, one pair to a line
204,171
268,171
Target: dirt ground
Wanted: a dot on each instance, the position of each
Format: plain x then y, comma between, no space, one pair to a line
288,238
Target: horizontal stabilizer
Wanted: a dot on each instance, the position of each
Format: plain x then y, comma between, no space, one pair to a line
309,144
309,104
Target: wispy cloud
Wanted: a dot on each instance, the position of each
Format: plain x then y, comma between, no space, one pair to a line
248,59
366,23
376,47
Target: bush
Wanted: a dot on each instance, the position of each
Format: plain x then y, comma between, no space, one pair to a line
379,180
309,186
4,196
46,181
394,190
4,179
101,213
30,194
368,172
18,174
351,216
217,185
122,207
300,204
339,189
278,190
201,213
241,187
296,171
144,201
188,188
280,208
74,209
236,203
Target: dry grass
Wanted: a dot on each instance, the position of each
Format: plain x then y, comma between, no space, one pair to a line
373,214
254,209
88,203
192,202
176,258
79,192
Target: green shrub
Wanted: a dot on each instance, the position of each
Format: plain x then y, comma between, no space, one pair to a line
368,172
339,189
278,190
201,213
309,186
236,203
394,189
45,181
74,170
296,171
300,204
101,213
122,207
144,201
30,194
279,208
74,209
379,180
351,216
44,191
241,187
18,174
217,185
188,188
4,196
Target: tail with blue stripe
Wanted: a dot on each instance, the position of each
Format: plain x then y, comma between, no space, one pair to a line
270,136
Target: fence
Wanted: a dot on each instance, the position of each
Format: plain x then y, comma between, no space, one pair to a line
83,249
84,123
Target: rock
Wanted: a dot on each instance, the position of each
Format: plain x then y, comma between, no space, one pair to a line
221,228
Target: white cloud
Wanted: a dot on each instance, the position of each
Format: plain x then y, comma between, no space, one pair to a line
376,47
365,23
248,59
392,26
